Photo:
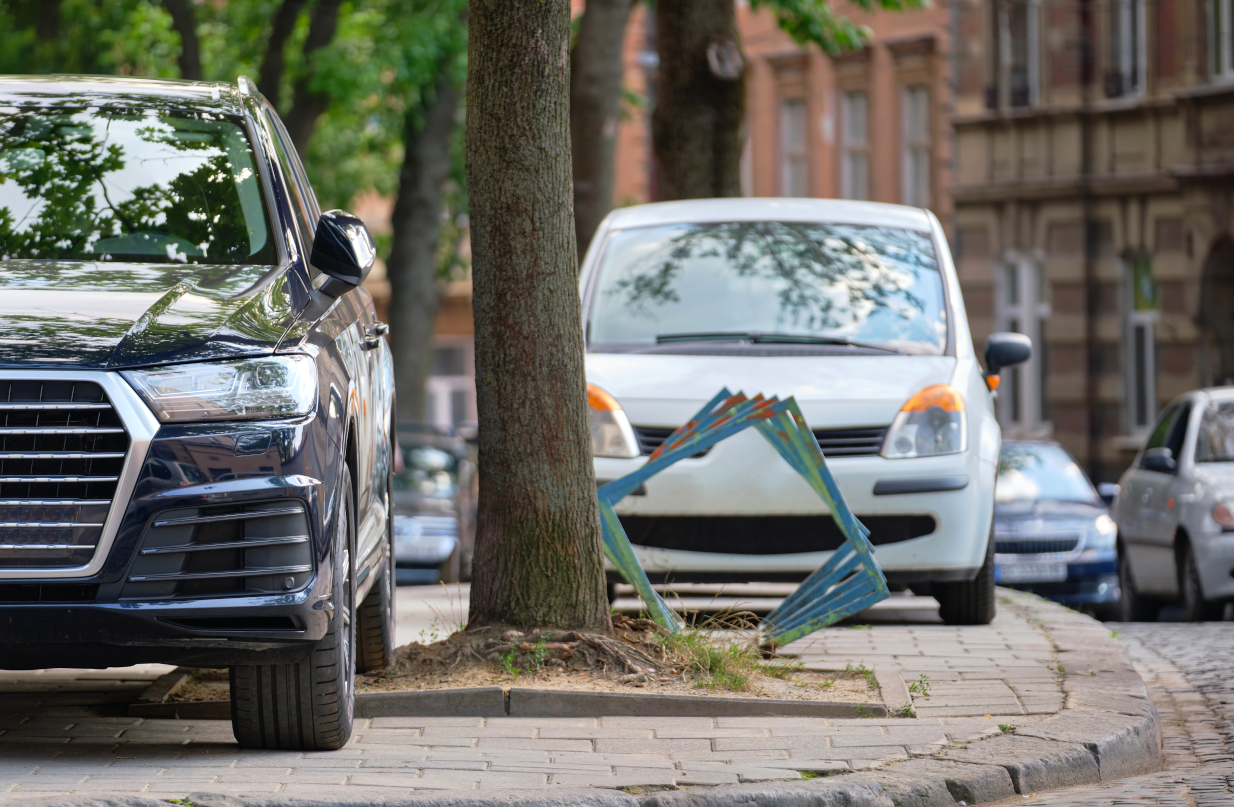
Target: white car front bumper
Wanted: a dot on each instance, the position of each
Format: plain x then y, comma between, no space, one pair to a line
743,476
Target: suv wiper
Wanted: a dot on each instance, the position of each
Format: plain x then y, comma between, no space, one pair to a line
758,337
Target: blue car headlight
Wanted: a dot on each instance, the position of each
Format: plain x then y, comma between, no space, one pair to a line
1102,534
247,389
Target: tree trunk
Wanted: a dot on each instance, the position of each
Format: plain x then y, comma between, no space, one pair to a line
700,104
183,20
595,109
270,76
537,558
307,104
412,268
47,22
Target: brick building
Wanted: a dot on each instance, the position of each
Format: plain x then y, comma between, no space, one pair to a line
1094,153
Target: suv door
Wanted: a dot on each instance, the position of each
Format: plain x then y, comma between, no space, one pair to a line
1151,549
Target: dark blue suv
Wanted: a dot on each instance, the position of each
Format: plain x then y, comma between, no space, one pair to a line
195,403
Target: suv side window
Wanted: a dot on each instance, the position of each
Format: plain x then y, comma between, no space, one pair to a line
1178,434
305,221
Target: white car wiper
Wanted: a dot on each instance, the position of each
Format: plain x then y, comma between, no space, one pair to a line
758,337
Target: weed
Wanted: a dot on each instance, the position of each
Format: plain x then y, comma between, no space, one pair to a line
862,627
1061,669
1006,728
1114,634
861,712
783,669
1092,673
509,664
861,670
921,686
723,660
808,774
906,711
182,802
828,683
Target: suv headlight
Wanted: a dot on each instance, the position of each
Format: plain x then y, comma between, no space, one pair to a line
611,435
933,422
1103,534
248,389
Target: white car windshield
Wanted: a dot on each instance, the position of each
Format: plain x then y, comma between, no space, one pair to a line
1215,442
769,282
1029,472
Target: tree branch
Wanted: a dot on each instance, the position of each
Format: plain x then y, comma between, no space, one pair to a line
306,104
270,76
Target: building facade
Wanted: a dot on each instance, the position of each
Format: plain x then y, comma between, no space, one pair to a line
1092,193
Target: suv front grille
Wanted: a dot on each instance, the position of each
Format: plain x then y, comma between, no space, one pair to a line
62,449
1035,546
862,442
225,549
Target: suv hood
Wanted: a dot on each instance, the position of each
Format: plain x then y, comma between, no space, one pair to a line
833,391
111,315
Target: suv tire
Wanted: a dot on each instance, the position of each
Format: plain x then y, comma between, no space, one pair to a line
307,705
1132,605
972,601
375,631
1196,607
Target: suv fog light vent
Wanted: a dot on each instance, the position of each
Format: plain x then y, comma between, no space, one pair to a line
255,624
223,550
62,449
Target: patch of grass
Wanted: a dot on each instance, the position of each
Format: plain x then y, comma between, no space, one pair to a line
861,712
862,627
861,670
182,802
1061,669
783,669
515,663
1114,634
724,661
1006,728
921,686
509,664
808,774
1093,673
906,711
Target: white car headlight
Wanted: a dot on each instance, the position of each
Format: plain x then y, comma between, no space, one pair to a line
932,422
611,435
248,389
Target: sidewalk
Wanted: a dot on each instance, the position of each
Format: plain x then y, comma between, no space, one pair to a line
63,733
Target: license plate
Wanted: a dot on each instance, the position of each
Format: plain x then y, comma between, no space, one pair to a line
1031,573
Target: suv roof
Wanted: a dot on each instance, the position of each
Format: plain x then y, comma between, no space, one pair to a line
45,91
839,211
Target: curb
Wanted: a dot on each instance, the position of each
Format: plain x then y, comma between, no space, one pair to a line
519,702
1108,729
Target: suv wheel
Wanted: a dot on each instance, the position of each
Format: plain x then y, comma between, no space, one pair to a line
1196,607
307,705
970,602
1132,605
375,632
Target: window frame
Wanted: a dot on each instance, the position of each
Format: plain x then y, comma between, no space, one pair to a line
916,145
853,150
794,159
1129,58
1032,56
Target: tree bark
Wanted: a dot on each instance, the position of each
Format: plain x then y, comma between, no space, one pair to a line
270,76
47,21
185,23
307,104
595,109
700,104
412,267
538,560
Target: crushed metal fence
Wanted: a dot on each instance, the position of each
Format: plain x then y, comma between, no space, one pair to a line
847,583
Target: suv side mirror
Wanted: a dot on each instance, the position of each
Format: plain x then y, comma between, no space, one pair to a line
1108,491
343,250
1160,460
1004,350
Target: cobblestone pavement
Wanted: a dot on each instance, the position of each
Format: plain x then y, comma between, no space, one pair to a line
67,731
1189,669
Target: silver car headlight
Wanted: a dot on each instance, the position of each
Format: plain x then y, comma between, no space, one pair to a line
930,423
611,434
247,389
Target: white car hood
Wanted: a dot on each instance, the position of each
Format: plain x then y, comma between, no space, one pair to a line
833,391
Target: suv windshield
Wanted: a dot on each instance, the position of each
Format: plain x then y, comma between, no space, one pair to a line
138,185
1029,472
769,281
1215,441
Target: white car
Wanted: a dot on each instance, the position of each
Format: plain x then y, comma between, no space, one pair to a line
851,307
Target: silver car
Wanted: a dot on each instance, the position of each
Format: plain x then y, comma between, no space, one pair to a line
1175,511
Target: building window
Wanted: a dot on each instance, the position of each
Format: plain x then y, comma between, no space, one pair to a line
1221,38
452,386
1023,405
1127,55
915,115
794,165
1141,344
855,170
1017,66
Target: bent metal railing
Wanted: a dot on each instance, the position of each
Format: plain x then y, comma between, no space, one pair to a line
848,582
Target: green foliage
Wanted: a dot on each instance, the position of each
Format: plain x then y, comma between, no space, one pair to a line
808,774
1006,728
906,711
861,670
921,686
815,22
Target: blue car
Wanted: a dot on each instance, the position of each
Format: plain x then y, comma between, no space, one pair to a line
195,403
1053,534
